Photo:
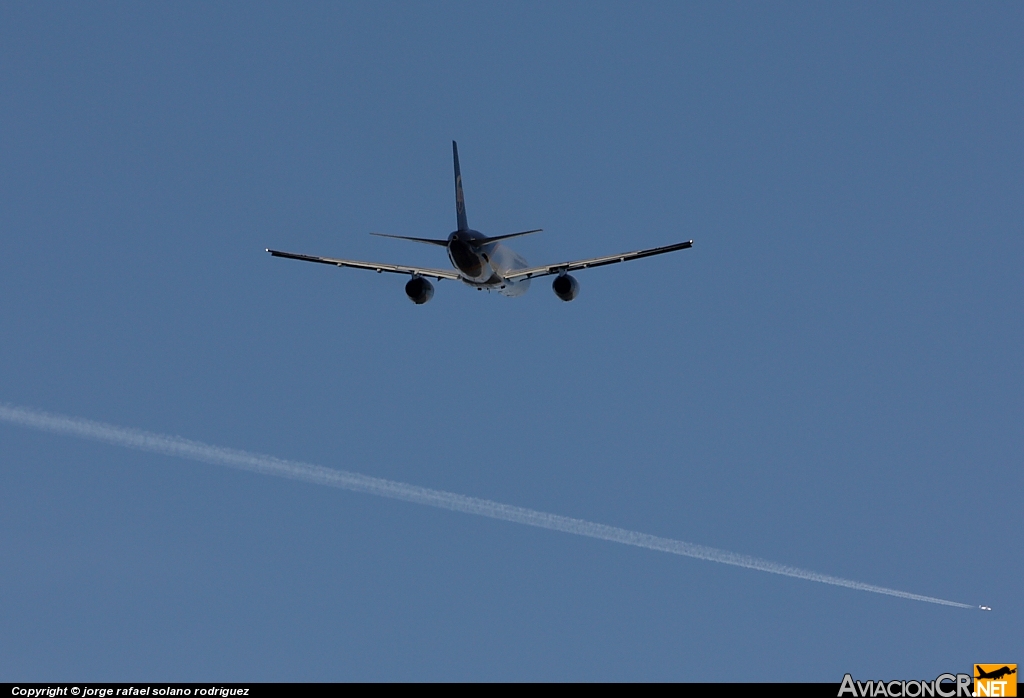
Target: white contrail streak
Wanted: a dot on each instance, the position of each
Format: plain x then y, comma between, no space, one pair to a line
268,465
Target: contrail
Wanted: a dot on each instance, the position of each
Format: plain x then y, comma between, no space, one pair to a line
268,465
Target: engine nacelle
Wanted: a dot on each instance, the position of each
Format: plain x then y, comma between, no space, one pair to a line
419,290
565,287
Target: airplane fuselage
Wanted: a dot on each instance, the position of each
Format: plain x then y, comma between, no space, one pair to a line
485,266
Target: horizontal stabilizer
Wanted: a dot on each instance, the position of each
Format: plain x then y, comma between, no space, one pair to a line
428,241
485,241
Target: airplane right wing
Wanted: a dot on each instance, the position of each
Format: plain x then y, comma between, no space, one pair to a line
595,262
372,266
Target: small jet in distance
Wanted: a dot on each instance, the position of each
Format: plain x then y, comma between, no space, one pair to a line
483,262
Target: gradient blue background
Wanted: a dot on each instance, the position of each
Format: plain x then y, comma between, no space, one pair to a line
830,378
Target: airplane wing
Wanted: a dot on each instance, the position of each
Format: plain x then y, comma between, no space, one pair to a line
372,266
595,262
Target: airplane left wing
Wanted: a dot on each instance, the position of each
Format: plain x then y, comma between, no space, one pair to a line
595,262
372,266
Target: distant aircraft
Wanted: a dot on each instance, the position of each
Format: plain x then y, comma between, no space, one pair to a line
483,262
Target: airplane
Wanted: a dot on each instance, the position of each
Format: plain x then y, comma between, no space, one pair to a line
483,262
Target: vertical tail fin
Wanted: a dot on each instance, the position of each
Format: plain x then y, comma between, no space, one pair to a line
460,200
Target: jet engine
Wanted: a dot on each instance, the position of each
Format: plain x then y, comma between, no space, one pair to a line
565,287
419,290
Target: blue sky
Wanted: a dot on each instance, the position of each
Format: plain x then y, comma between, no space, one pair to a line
831,378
